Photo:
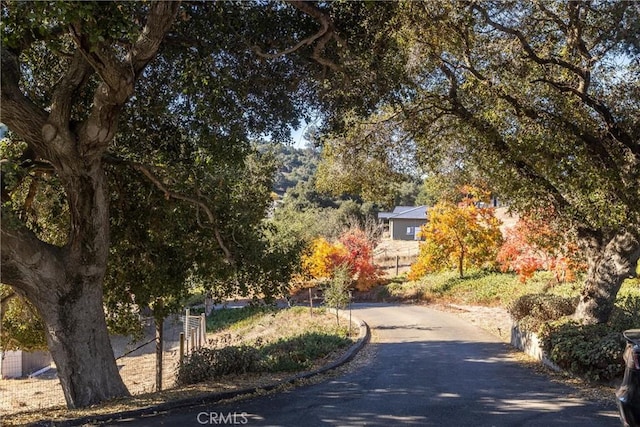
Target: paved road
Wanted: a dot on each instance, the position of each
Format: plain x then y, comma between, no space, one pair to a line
428,369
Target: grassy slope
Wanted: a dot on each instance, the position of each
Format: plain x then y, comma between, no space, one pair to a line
486,288
231,326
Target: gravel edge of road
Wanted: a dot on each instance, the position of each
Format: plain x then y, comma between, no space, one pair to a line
497,321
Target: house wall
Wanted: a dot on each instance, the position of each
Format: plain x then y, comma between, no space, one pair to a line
11,364
405,229
18,364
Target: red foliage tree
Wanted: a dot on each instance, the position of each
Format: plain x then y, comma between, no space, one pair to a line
539,242
358,257
353,251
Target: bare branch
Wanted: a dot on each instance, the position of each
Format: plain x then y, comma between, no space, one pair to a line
311,11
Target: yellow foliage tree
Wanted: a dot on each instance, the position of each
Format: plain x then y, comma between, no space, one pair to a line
459,236
322,258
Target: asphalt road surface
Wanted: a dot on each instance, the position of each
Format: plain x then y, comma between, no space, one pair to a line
428,368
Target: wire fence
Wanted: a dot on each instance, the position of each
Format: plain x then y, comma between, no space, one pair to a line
29,386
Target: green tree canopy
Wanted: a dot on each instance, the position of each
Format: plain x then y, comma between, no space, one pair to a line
97,92
542,98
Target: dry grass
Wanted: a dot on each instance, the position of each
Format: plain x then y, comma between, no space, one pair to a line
268,328
389,252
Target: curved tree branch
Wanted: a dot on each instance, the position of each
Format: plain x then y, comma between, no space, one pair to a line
119,77
18,112
322,36
192,200
309,9
25,258
498,143
529,50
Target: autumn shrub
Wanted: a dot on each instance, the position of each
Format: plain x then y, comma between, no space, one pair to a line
352,250
358,259
322,258
533,310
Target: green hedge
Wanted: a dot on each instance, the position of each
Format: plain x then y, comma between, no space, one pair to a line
534,310
593,352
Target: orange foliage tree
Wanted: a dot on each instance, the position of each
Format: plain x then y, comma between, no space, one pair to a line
322,259
461,236
539,242
353,250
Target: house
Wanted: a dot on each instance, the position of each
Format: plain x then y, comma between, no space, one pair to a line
405,221
20,364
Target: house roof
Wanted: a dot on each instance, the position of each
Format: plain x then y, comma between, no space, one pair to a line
405,212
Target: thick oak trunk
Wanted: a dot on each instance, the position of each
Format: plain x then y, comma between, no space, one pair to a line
79,343
76,328
611,260
65,284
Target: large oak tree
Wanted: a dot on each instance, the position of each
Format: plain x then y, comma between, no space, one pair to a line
167,90
543,99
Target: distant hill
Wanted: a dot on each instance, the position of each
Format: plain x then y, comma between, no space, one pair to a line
295,165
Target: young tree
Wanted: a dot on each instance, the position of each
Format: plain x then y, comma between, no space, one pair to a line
459,236
336,294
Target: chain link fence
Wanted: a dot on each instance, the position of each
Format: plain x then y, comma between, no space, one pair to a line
28,385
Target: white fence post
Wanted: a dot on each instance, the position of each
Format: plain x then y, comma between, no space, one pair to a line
186,330
203,328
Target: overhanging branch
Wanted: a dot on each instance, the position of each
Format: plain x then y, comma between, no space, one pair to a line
169,194
322,36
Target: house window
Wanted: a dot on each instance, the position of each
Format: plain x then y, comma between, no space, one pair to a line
410,231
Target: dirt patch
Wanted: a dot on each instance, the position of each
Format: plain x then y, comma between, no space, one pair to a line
36,399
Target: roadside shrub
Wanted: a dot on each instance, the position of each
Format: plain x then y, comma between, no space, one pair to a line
533,310
591,351
205,364
299,352
626,314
